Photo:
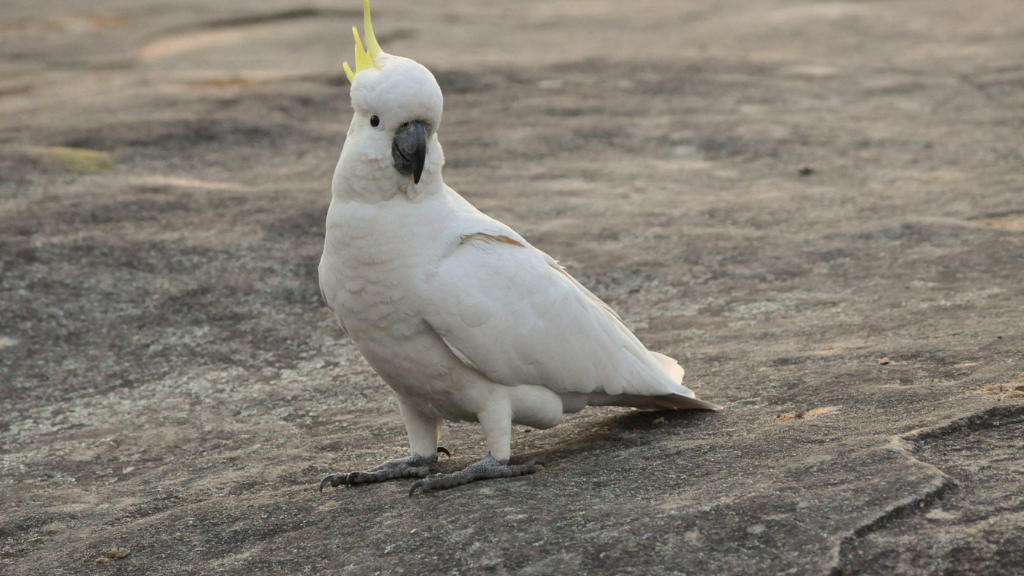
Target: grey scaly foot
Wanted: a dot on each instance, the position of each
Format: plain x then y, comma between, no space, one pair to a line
415,466
486,469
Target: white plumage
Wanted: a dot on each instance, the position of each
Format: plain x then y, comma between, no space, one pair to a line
458,313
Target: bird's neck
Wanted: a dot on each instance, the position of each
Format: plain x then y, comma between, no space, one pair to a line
361,177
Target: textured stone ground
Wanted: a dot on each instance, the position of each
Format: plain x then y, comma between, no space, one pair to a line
171,384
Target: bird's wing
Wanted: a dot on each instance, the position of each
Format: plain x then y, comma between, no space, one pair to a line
512,313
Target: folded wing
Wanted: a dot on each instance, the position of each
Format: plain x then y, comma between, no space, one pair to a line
511,312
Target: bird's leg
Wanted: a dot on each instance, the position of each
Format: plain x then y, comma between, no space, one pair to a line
424,431
415,466
497,425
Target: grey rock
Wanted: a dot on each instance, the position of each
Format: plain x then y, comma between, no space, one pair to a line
171,383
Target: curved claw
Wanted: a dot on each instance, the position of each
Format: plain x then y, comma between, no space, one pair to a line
334,480
443,450
415,485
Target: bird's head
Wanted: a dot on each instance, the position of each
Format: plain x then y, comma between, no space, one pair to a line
397,104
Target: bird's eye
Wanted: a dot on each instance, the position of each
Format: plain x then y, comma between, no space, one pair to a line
374,121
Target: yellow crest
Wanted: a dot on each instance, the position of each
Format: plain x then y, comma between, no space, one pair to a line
366,58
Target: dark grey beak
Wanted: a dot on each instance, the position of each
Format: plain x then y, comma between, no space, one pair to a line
409,149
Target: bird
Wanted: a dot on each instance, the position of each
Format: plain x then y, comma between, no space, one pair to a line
462,317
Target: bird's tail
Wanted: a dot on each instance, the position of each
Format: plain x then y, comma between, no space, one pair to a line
662,402
686,399
681,398
680,402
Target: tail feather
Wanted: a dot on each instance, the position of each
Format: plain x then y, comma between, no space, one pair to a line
678,402
663,402
684,399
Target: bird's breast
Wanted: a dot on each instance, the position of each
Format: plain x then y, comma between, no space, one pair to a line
374,258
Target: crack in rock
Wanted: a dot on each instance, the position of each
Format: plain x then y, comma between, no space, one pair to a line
920,503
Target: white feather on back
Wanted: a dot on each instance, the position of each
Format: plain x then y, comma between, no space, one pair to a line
670,365
512,313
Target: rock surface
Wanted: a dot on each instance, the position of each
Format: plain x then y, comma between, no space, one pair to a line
818,207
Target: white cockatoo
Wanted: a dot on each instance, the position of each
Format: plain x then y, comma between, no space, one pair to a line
459,314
